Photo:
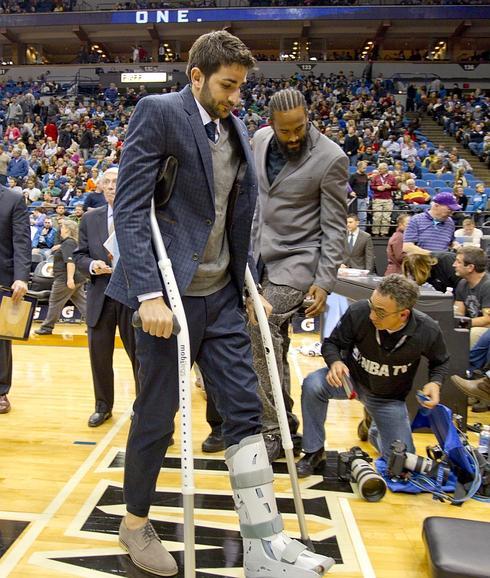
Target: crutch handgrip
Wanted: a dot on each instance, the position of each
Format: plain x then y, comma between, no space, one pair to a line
137,324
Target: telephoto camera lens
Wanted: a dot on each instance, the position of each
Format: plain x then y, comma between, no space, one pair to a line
371,485
427,467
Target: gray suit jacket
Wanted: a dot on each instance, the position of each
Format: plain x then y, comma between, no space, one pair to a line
15,238
299,225
362,254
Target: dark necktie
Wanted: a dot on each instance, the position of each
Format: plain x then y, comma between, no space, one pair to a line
351,242
211,131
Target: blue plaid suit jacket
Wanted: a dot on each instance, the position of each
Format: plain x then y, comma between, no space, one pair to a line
160,126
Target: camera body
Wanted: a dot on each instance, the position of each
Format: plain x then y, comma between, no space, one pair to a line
401,463
345,460
355,466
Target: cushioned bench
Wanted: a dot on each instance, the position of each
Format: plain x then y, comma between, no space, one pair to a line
457,548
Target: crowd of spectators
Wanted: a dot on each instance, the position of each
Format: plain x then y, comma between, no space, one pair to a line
55,147
468,121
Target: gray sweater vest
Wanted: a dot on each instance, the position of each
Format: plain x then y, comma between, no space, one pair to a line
212,273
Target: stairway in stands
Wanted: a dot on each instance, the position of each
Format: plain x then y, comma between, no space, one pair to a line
436,134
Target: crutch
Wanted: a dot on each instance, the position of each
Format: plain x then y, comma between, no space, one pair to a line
287,442
184,361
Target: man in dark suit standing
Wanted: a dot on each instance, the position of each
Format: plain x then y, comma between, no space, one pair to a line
15,267
359,251
103,313
205,226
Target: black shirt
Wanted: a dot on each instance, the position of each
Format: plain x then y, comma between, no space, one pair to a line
359,184
275,161
442,274
62,257
386,363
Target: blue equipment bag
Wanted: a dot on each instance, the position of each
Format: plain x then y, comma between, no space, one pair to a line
464,479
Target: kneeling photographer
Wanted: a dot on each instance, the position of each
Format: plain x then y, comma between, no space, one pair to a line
377,346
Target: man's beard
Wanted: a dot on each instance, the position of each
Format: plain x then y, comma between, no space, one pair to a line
210,105
289,154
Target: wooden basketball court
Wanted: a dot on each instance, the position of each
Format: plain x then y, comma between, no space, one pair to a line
60,482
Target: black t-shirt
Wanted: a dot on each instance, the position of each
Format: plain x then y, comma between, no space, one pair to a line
63,256
442,274
475,298
359,184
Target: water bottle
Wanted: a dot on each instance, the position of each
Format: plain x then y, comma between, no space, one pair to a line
484,441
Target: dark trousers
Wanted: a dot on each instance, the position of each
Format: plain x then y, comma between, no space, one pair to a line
220,345
5,366
101,348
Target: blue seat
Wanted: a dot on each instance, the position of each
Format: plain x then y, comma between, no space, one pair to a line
352,169
90,162
421,182
432,177
439,183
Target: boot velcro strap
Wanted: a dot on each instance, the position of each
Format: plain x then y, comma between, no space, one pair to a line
252,479
263,530
292,551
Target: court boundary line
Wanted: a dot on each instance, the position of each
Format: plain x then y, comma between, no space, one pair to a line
18,550
362,556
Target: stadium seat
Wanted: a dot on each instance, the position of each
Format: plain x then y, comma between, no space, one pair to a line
457,548
439,183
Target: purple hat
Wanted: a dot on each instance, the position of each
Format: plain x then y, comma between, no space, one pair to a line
447,199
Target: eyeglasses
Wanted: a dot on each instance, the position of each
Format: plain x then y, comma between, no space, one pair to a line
380,314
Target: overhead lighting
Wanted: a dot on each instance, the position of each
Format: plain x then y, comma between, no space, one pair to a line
370,43
95,46
99,51
165,44
295,43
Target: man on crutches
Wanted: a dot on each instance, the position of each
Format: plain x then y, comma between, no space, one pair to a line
205,226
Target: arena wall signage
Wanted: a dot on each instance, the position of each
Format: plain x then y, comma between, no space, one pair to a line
337,12
174,16
128,77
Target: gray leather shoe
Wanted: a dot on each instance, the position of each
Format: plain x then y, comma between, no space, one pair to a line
146,550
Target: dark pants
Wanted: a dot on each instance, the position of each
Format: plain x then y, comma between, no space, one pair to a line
101,348
220,345
5,366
